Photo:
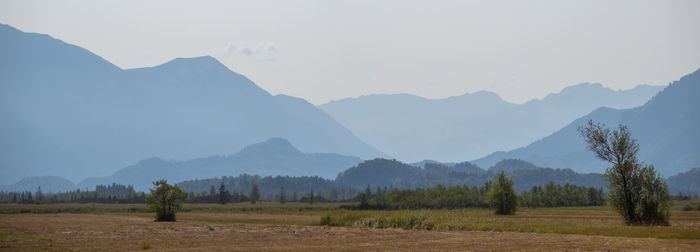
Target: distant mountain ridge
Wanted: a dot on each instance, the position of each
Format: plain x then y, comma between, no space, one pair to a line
84,116
469,126
48,184
667,127
383,172
273,157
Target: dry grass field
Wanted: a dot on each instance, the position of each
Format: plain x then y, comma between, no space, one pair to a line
296,227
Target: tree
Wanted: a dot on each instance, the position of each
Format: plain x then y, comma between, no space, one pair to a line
364,203
39,196
502,196
312,199
254,194
212,194
283,196
223,194
164,200
636,192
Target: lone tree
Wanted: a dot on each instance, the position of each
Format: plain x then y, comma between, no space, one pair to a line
312,198
636,191
223,194
212,194
254,194
283,196
164,200
502,196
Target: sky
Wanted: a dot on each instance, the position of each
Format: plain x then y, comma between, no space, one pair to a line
328,50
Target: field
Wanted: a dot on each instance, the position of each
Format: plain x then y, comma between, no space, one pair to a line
295,226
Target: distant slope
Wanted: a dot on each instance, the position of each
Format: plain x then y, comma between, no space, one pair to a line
70,113
48,184
274,157
687,183
469,126
667,127
384,172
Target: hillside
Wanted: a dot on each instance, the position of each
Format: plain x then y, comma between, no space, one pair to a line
274,157
471,125
687,182
87,117
48,184
666,127
384,172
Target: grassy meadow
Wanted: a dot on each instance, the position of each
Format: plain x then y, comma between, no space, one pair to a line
38,226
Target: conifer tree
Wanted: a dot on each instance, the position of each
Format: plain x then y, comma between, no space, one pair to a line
254,194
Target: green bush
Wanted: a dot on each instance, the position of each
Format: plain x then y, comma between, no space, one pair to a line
502,196
164,200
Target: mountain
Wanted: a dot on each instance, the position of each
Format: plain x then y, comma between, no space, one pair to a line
469,126
274,157
380,172
667,128
511,165
295,187
48,184
384,172
425,162
68,112
687,183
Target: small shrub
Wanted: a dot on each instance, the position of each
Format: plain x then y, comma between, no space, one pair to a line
688,207
146,246
326,220
412,221
369,223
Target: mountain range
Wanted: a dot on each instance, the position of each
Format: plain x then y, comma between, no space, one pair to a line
471,126
273,157
68,112
667,128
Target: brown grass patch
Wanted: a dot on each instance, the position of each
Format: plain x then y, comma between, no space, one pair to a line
233,231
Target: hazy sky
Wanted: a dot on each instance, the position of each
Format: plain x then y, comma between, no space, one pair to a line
324,50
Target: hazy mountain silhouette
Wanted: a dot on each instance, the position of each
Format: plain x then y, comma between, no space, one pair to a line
69,112
687,182
667,128
511,165
49,184
384,172
273,157
469,126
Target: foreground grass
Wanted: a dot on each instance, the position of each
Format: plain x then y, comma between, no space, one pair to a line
571,220
584,221
137,231
287,208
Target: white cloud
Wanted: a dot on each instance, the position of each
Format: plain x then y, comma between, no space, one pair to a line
264,50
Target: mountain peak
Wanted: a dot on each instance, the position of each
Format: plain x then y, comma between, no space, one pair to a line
581,87
272,146
195,63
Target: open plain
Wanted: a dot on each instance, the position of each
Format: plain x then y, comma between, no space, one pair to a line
296,227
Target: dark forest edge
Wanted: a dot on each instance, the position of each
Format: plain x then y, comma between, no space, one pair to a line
536,186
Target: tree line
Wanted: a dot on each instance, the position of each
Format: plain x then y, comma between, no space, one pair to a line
441,197
115,193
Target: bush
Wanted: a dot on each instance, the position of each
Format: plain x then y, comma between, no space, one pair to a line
502,196
164,200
